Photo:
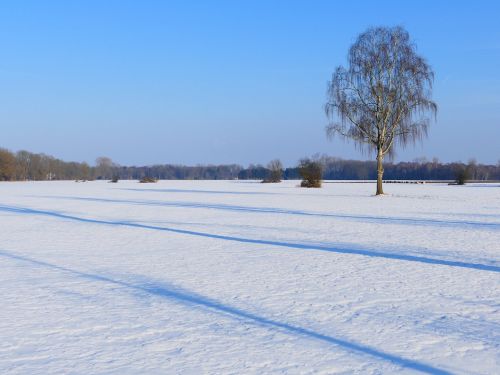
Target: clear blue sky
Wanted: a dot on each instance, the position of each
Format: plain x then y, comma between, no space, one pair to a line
192,82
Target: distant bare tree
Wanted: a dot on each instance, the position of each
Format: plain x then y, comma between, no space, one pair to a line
23,161
472,169
104,167
383,97
7,165
275,171
84,171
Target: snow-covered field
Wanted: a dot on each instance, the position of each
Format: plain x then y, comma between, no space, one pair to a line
237,277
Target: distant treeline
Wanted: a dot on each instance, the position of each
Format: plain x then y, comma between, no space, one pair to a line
24,165
420,169
179,172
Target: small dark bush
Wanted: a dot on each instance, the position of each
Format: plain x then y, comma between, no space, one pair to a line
310,184
461,176
311,172
147,180
114,179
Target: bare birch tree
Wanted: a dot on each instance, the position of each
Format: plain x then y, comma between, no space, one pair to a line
383,97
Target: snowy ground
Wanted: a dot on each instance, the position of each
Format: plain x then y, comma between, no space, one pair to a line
234,277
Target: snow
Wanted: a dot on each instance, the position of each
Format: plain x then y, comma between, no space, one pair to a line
233,277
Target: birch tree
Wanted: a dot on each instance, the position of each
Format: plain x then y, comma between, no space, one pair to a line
383,97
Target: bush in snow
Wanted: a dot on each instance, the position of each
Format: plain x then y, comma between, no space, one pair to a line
310,171
462,175
146,180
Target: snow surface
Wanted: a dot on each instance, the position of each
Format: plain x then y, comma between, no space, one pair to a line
237,277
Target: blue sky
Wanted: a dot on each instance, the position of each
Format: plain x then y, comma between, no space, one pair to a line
191,82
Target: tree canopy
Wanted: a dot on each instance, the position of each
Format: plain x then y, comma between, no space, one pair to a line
383,97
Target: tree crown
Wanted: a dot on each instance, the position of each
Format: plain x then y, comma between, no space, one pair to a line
384,96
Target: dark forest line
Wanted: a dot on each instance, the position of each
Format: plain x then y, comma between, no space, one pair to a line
26,166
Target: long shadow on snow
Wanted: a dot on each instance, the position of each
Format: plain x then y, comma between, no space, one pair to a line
463,214
153,190
369,253
489,185
362,218
195,300
199,191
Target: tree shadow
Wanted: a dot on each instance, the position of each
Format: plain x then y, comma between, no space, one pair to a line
199,191
218,192
195,300
222,226
464,214
487,185
289,245
270,210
